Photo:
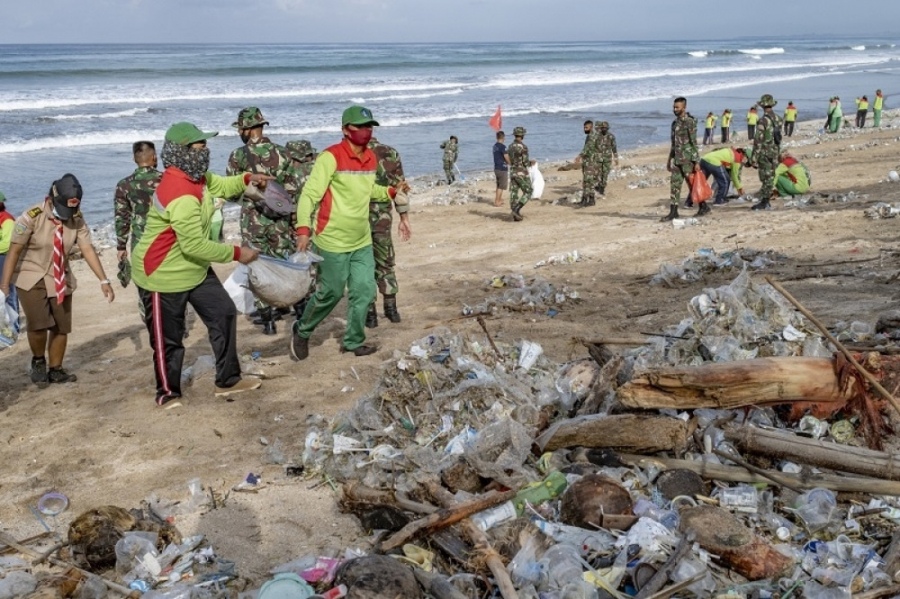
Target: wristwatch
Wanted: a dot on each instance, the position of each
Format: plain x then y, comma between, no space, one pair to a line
106,282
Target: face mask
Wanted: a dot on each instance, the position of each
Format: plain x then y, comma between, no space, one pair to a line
603,131
65,190
245,136
62,210
359,137
194,162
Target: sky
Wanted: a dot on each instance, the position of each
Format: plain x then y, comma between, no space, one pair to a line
363,21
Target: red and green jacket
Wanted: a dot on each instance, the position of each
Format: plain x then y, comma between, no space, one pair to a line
794,170
175,251
339,191
729,158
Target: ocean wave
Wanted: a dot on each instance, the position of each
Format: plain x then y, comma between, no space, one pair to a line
762,51
699,53
99,115
858,48
141,97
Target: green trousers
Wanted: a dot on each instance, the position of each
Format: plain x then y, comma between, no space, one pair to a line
354,271
786,187
877,118
836,123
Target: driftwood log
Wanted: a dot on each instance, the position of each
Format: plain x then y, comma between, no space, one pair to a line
834,456
634,433
737,384
713,471
735,545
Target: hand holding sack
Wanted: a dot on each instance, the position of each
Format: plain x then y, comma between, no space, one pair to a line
700,188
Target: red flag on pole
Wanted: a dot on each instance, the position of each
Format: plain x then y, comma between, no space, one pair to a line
496,121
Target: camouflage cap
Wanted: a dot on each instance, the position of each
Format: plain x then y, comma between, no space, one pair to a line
767,101
603,125
519,132
300,149
250,117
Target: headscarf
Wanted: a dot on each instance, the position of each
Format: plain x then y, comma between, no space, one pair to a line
193,161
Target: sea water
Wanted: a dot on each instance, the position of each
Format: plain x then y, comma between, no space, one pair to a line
78,108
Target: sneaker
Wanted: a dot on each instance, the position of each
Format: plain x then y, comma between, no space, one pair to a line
299,346
168,401
240,386
58,375
362,350
39,372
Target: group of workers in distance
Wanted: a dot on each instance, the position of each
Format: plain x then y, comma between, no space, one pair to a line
789,119
780,174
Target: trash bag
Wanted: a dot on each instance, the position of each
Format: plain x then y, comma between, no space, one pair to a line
700,189
9,323
237,287
282,283
537,181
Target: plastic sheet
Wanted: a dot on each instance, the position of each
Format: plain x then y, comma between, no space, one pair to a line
237,285
282,283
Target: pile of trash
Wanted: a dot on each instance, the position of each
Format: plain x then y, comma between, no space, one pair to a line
525,293
519,444
567,258
707,260
882,210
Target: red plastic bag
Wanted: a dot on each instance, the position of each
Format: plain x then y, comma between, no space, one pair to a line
700,189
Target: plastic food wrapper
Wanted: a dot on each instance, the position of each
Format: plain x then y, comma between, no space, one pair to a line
282,283
9,323
237,285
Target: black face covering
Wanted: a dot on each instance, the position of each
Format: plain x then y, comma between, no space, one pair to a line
193,161
64,189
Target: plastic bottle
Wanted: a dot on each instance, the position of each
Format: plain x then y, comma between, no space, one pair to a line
741,498
535,494
586,541
563,565
667,518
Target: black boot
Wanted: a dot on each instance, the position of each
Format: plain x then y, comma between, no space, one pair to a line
673,213
761,205
267,320
704,209
591,201
390,308
516,213
372,317
584,200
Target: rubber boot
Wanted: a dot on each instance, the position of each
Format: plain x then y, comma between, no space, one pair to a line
704,209
372,317
267,320
390,308
673,213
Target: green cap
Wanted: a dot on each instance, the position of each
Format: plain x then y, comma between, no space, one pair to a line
748,155
2,197
250,117
358,115
184,134
767,101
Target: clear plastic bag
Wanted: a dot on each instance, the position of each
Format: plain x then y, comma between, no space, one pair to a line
282,283
537,181
9,323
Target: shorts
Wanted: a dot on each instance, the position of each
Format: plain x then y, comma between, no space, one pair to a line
43,313
502,179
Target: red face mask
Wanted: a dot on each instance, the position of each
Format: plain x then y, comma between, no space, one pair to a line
359,137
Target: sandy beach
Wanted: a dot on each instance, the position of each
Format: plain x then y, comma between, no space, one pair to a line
103,441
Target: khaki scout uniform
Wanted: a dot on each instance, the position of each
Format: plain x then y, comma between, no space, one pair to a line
36,231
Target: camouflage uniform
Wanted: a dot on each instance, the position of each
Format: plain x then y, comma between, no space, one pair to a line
766,152
302,158
519,181
683,155
389,174
606,151
132,200
589,169
451,153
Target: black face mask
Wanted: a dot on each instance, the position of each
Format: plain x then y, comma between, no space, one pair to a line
587,131
603,131
245,136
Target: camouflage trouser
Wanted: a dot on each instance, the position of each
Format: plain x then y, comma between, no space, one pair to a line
603,169
448,170
519,184
381,220
276,238
766,177
590,174
679,175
